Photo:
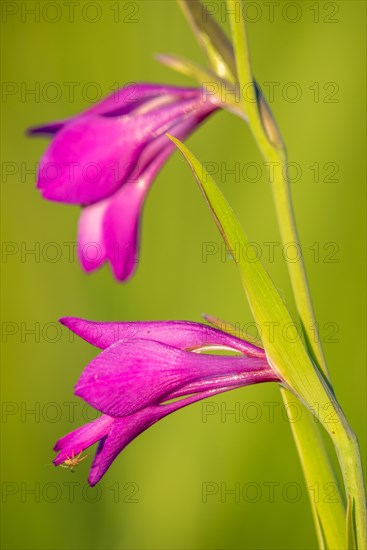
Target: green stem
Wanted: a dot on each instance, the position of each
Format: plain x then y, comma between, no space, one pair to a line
272,148
275,154
319,476
296,270
349,456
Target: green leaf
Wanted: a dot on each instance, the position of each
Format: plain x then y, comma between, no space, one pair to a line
328,513
285,352
289,359
211,38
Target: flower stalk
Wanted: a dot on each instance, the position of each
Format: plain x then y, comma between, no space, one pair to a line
273,150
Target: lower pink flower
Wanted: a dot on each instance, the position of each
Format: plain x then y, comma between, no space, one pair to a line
142,368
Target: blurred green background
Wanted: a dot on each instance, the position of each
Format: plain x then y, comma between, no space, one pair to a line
318,46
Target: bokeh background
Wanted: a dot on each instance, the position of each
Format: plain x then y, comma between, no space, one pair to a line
152,497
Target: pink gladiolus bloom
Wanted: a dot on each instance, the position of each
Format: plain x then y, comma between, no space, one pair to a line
105,160
143,366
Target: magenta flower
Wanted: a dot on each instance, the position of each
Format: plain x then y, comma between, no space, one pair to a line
105,160
142,367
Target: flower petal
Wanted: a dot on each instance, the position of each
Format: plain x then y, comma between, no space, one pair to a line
49,128
87,160
91,246
120,102
131,96
109,230
131,375
92,156
121,230
77,441
185,335
125,429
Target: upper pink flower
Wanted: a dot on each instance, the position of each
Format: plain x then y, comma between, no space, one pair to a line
105,160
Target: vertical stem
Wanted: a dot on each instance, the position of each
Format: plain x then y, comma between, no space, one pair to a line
319,475
274,153
272,148
296,270
349,456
